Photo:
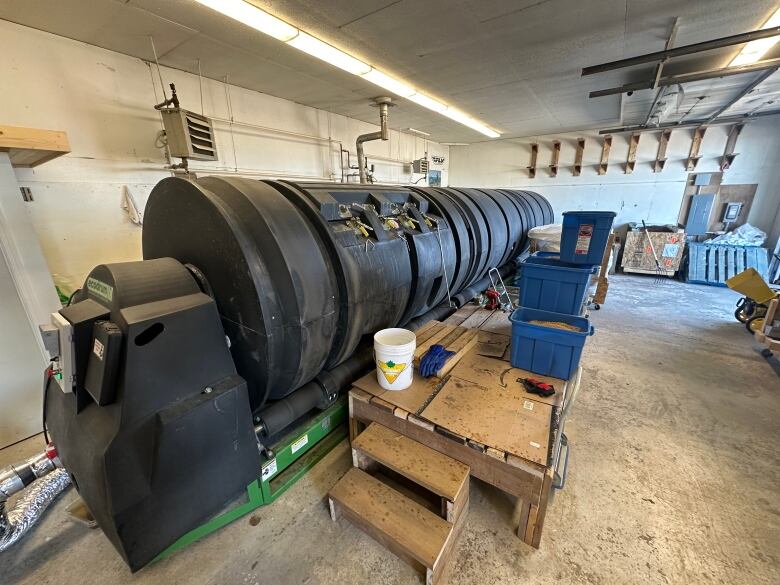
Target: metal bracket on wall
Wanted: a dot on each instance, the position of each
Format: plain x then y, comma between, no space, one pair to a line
555,155
532,165
605,148
660,157
731,143
578,157
693,155
633,143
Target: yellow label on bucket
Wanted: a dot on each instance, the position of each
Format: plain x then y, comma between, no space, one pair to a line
391,370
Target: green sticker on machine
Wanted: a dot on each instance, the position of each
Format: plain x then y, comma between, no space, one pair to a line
100,289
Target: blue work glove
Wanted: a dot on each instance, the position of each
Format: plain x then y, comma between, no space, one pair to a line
433,360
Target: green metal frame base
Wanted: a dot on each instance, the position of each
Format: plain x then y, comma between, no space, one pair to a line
294,455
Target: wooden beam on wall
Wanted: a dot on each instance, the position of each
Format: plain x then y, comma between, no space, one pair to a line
633,144
532,165
606,145
578,157
693,154
554,157
29,147
660,157
731,143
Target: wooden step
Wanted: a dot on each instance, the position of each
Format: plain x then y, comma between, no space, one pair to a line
408,529
442,475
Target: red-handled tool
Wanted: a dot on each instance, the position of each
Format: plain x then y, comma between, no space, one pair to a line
538,387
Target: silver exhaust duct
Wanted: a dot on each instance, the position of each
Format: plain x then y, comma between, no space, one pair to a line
383,103
41,492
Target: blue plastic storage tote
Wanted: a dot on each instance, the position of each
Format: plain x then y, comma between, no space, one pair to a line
584,236
546,350
551,285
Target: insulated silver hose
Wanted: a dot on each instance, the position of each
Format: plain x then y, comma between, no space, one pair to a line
42,480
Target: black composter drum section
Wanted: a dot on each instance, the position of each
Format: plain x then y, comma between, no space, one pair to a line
255,304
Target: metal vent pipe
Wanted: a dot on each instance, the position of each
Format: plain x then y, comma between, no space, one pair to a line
383,103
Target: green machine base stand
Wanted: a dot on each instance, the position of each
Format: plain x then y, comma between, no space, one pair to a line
294,455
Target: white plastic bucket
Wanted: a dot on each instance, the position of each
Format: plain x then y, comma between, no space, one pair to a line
394,356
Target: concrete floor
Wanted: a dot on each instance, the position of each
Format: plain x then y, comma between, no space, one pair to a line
673,479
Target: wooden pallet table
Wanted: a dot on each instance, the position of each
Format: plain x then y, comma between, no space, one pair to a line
478,413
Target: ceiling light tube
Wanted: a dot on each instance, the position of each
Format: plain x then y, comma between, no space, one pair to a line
428,102
416,131
391,84
260,20
328,53
254,17
753,51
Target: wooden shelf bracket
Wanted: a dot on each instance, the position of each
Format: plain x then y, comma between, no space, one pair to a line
731,143
578,157
554,157
693,155
605,147
633,144
660,157
532,165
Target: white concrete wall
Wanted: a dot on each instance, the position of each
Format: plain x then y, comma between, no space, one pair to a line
104,101
654,197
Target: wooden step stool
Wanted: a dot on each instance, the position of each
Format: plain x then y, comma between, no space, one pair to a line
411,530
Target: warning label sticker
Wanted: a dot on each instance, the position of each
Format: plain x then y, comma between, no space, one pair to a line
98,349
269,469
299,444
584,237
391,370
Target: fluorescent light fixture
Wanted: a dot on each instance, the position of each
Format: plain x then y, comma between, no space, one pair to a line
252,16
260,20
415,131
466,120
455,143
428,102
389,83
753,51
328,53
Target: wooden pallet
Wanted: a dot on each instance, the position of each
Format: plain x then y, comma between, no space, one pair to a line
422,536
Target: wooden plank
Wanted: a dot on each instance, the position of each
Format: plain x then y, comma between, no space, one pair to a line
30,147
461,347
532,162
436,338
477,319
541,512
459,316
498,323
606,145
660,157
440,572
693,154
416,420
495,453
379,403
436,472
386,515
578,157
429,330
515,481
555,155
633,144
498,417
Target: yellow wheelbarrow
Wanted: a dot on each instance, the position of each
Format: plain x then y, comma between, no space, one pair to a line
751,309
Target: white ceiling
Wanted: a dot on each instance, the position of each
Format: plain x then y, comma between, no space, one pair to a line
514,64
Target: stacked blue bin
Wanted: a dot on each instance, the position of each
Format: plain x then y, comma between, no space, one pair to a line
554,288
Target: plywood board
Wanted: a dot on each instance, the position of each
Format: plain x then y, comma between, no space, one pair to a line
494,373
492,344
411,399
500,418
477,319
669,249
